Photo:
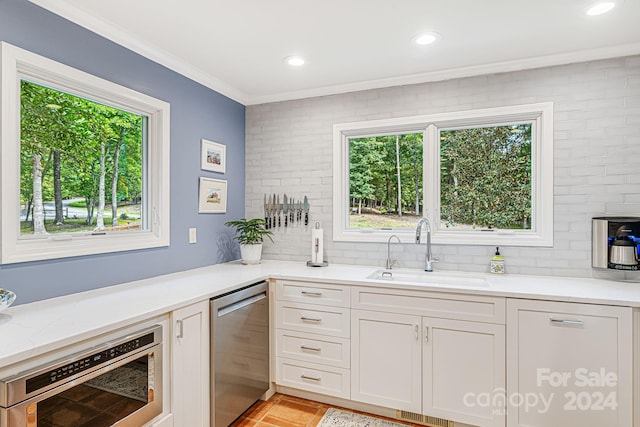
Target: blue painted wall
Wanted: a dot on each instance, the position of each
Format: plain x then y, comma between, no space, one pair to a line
196,112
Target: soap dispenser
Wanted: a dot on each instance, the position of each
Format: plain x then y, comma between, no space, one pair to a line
497,262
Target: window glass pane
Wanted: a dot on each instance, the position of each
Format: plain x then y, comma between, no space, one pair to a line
485,177
81,164
385,181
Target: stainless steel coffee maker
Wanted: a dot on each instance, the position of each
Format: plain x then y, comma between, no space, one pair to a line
615,243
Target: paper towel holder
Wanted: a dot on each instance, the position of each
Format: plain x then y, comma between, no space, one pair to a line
313,264
317,264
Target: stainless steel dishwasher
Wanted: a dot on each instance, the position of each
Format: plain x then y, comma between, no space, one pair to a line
239,351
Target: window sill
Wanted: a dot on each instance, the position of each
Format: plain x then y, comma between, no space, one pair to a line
474,238
57,246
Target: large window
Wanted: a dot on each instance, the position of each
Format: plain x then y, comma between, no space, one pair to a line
385,181
481,177
485,177
84,163
81,164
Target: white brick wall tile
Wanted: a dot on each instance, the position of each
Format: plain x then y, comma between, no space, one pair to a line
588,171
596,121
609,179
552,263
623,209
607,198
589,208
618,167
605,122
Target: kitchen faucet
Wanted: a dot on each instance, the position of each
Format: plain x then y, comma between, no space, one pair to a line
390,262
428,258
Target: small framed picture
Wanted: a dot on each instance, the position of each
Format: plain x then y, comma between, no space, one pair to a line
213,196
213,156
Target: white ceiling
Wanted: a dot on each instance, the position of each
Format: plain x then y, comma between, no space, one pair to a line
236,47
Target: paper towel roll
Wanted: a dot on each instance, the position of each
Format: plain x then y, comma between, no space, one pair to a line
316,246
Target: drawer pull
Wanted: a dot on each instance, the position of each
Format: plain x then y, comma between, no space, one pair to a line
179,329
304,347
311,294
310,319
306,377
566,322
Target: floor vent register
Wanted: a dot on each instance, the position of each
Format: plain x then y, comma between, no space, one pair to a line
423,419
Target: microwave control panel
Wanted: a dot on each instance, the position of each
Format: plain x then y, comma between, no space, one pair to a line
85,363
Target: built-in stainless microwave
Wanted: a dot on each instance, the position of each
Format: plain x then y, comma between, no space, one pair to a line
118,383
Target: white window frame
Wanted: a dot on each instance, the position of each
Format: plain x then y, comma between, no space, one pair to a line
539,114
17,64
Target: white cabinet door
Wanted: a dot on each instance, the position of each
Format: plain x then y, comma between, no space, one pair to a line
569,364
463,364
190,374
386,359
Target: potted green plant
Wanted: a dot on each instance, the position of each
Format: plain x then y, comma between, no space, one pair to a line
250,233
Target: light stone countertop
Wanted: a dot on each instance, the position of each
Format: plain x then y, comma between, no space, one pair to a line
33,329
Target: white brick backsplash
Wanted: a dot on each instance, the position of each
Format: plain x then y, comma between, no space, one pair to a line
632,209
597,146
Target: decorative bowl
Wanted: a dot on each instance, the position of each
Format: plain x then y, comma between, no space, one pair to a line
6,298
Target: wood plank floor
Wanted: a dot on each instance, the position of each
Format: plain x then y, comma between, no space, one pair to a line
288,411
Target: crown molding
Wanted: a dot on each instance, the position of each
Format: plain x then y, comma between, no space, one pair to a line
152,52
156,54
456,73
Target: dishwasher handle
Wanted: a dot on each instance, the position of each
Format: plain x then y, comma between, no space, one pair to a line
223,311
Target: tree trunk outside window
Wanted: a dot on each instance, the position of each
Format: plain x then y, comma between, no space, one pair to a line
38,206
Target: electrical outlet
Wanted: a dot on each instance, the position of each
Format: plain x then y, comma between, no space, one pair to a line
192,235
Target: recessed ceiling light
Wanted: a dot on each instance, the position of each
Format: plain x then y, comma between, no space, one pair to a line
426,38
600,8
294,61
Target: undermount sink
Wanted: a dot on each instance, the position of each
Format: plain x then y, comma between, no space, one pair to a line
430,278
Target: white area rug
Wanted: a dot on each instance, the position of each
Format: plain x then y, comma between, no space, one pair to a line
338,418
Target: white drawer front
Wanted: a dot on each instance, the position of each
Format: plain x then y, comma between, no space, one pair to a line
312,377
312,293
434,304
331,351
316,319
